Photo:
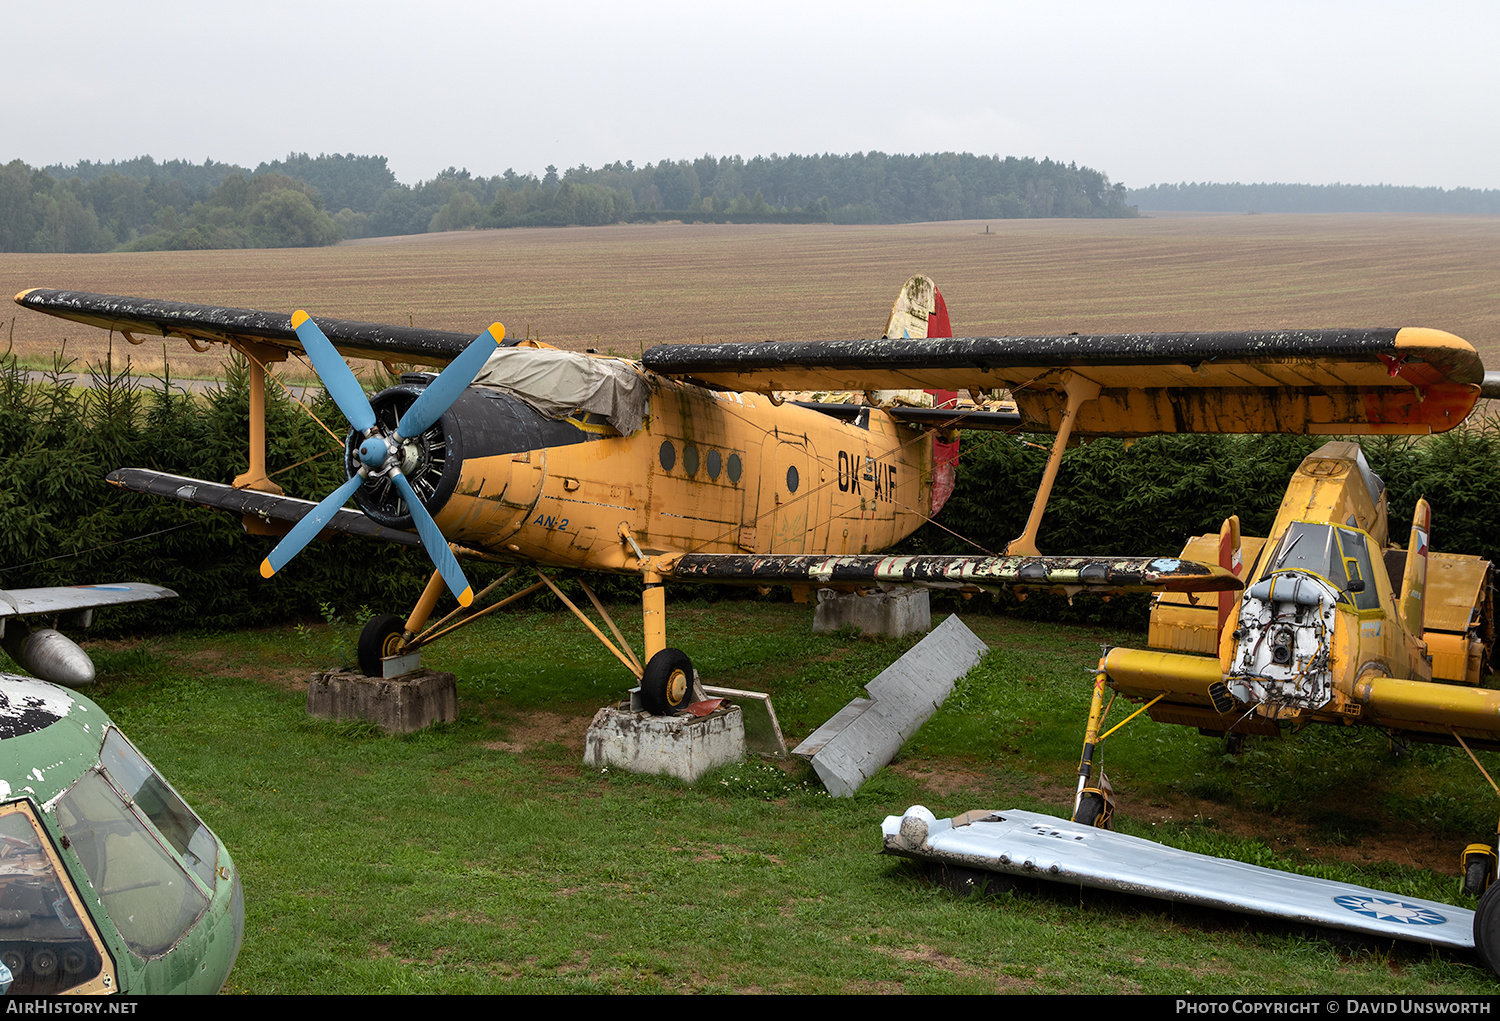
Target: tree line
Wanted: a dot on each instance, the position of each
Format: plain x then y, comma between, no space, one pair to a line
302,200
1314,198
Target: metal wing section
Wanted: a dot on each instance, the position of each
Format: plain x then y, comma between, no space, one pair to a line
209,324
23,602
1103,574
266,506
1341,381
1042,847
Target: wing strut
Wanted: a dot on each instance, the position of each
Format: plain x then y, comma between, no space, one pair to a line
1080,391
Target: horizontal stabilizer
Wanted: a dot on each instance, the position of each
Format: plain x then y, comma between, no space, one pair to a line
266,506
1109,574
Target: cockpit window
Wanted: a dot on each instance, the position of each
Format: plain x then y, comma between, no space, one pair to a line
1307,547
1340,555
144,889
140,784
47,942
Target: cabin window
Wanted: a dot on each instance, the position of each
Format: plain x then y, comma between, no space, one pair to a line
1355,555
734,467
715,464
690,460
668,455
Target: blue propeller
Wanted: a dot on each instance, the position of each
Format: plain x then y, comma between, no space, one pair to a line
380,454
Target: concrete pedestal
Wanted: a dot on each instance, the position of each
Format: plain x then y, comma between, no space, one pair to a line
682,746
400,705
898,612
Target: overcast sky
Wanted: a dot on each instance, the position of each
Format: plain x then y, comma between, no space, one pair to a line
1147,92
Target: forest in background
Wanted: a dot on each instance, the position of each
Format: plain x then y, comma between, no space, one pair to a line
304,201
1313,198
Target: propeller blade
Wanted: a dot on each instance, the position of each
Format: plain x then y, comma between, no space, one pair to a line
434,542
303,531
444,390
335,374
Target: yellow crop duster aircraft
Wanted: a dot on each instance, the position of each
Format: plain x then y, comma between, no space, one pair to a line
692,464
1335,625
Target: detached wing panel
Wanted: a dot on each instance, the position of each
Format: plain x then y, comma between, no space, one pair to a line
1092,573
213,325
1301,381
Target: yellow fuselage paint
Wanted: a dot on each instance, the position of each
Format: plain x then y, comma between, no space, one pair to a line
708,472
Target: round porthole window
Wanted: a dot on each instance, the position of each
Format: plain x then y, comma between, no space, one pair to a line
715,464
668,455
690,460
734,467
793,480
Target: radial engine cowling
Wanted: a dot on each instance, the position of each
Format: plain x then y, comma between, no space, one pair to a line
482,422
1281,660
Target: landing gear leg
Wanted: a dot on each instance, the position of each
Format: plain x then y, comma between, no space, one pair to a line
1094,804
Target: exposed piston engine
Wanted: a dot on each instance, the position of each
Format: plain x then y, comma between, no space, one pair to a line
1281,655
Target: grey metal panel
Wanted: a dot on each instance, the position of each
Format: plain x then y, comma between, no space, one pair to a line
905,694
24,601
1044,847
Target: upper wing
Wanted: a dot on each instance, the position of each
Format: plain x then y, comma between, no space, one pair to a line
1300,381
23,602
1103,574
211,324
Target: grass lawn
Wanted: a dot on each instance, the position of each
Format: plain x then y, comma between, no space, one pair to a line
482,856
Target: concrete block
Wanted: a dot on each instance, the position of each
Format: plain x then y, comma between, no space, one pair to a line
867,733
900,611
682,746
399,705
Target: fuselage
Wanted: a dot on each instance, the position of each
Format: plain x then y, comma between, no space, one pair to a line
707,472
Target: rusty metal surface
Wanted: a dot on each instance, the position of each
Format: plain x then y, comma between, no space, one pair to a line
1094,573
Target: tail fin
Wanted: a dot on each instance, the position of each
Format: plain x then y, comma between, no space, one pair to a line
1232,560
1414,580
920,313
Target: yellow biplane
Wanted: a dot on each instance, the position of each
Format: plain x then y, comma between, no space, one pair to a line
692,464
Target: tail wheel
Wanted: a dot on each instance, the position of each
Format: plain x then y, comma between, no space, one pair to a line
380,638
1478,866
667,682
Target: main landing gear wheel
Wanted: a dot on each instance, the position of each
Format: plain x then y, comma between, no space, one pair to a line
667,682
380,638
1487,928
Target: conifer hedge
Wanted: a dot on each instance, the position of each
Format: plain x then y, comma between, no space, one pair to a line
62,524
